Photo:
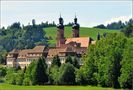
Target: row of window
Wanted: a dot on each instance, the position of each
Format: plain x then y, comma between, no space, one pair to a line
30,55
24,60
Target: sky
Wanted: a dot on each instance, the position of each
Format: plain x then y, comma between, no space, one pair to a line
89,13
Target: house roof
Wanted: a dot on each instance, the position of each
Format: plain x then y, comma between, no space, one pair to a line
67,48
23,53
84,41
37,49
53,52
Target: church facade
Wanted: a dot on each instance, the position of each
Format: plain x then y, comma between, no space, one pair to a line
75,46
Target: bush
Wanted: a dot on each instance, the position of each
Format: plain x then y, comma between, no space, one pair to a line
11,76
27,82
19,77
2,71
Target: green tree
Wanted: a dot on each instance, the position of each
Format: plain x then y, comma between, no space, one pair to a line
54,74
19,77
11,76
56,61
87,73
126,78
40,76
28,76
102,62
68,59
128,30
2,71
75,62
109,52
67,74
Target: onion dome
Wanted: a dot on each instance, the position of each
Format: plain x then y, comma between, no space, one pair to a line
60,25
75,25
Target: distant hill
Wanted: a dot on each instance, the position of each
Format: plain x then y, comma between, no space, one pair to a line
84,32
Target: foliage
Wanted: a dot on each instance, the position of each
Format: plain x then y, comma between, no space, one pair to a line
19,77
68,59
3,57
2,71
126,77
101,26
67,74
40,76
36,74
128,30
19,37
109,54
115,25
75,62
56,61
102,62
15,25
54,74
11,76
86,74
28,73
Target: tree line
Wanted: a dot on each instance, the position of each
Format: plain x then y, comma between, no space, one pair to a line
115,25
38,73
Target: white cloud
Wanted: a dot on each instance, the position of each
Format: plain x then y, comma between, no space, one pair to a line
116,19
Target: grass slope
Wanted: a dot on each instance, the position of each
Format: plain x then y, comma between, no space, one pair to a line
15,87
84,32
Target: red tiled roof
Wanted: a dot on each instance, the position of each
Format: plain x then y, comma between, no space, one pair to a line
84,41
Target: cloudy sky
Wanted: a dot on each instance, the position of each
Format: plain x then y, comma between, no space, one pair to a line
89,13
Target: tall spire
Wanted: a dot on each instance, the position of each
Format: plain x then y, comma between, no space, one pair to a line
60,15
60,20
75,19
75,14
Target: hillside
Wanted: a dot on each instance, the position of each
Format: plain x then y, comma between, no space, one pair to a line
84,32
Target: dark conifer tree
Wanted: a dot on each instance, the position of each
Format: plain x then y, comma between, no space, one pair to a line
68,59
40,76
56,61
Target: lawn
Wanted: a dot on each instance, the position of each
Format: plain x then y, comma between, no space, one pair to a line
84,32
15,87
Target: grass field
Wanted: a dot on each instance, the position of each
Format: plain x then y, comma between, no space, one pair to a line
15,87
84,32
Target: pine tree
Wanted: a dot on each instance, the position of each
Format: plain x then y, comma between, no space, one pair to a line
75,62
56,61
68,59
40,76
67,74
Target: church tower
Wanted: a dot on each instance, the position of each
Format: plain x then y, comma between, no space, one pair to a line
60,33
75,28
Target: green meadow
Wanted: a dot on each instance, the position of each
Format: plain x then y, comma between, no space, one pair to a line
16,87
84,32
